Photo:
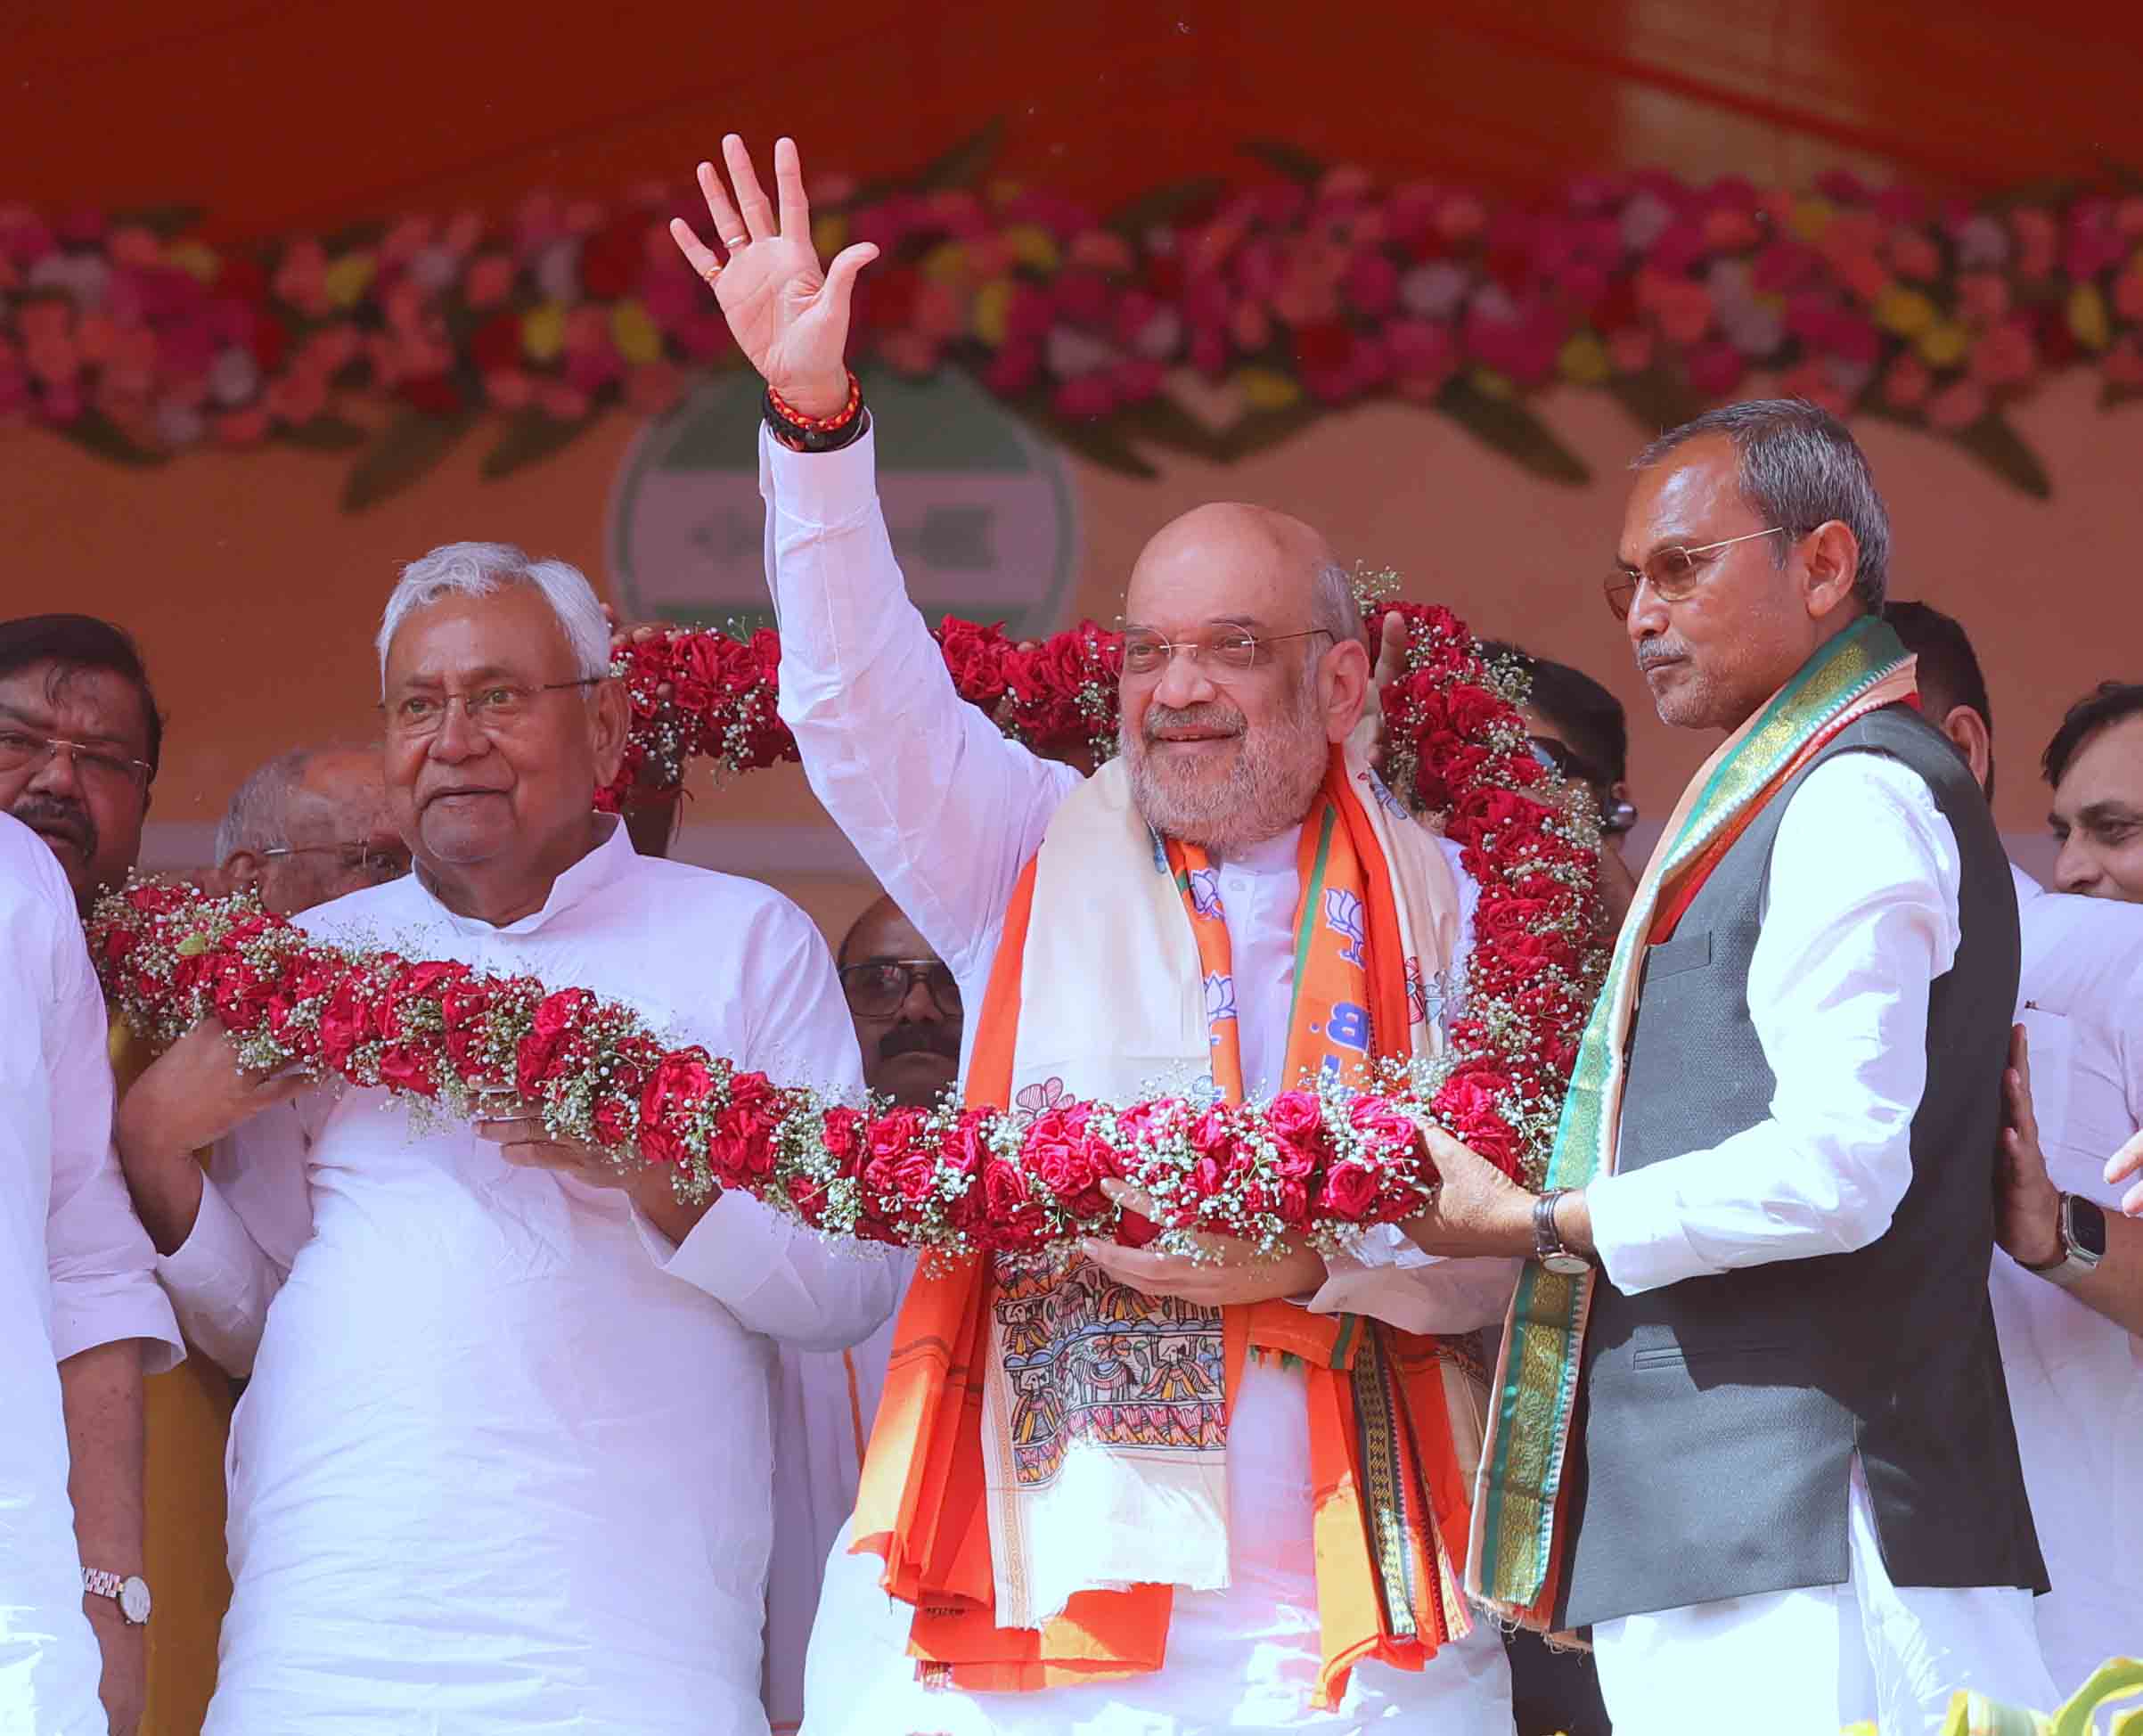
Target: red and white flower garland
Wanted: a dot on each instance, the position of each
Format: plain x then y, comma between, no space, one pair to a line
948,1181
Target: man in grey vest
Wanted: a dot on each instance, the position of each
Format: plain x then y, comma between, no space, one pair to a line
1752,1427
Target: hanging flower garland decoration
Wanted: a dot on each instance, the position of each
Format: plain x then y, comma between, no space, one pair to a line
946,1181
700,693
1201,318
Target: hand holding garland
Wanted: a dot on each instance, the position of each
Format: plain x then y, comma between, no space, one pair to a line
1294,1172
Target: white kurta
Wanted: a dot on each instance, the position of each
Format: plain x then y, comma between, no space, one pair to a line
72,1262
504,1461
2075,1377
824,1404
946,813
1851,942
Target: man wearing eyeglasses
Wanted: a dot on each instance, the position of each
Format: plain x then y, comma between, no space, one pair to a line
1187,1564
906,1004
80,741
504,1461
308,827
1753,1426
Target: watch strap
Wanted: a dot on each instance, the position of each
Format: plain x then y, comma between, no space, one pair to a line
2077,1261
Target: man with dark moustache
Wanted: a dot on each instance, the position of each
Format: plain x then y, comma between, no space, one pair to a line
79,743
906,1006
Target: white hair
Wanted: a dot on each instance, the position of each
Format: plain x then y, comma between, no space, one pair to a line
260,807
482,569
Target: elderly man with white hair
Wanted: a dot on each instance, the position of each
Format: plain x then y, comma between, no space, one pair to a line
308,826
504,1461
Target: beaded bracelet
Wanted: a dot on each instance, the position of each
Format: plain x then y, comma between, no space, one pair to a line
815,433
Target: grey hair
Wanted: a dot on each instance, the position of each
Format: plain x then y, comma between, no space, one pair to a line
260,813
1798,468
482,569
1333,604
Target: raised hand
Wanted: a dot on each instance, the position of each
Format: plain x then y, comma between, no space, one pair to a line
788,317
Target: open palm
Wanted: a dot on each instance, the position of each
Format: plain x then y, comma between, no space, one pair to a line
788,317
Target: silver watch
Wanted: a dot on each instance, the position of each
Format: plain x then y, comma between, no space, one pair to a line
2082,1243
131,1593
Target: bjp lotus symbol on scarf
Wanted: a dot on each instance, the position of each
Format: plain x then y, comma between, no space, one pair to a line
1343,915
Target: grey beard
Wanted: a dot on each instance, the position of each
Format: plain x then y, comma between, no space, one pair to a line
1269,789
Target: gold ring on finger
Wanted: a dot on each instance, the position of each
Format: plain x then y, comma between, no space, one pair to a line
710,273
742,241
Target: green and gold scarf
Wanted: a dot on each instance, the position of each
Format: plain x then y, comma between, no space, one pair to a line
1518,1542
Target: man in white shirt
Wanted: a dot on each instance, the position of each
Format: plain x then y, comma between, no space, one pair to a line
2068,1286
72,1260
79,741
1786,1477
948,813
2095,763
504,1460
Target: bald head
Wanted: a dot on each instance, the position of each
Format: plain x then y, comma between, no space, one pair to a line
308,826
906,1005
1245,560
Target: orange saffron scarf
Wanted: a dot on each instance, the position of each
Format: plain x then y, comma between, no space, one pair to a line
1390,1494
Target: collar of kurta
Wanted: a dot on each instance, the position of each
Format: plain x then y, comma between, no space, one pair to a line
600,868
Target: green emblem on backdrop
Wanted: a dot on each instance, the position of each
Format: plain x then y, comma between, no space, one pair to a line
980,511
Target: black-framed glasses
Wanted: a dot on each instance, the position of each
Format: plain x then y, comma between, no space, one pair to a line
876,986
378,866
1229,648
498,705
26,750
1672,572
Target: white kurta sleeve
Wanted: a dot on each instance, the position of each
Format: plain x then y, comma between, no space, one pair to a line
103,1264
254,1214
1385,1275
943,809
1851,943
775,1275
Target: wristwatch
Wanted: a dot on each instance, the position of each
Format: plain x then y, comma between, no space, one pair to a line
2082,1243
1548,1246
131,1593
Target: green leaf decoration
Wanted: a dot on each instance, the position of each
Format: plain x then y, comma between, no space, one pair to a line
531,436
161,220
1504,422
1163,205
1291,161
2001,450
95,432
406,451
1655,399
325,433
